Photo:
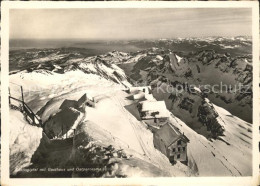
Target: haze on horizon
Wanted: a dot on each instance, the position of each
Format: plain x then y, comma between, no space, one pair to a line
130,23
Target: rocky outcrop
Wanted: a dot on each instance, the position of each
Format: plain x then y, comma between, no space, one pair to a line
191,106
232,89
207,115
234,82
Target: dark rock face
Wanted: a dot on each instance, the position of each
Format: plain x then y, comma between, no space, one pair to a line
186,104
231,77
208,117
191,106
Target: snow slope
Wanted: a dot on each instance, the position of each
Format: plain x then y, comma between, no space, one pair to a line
24,139
41,87
109,114
231,156
102,147
131,132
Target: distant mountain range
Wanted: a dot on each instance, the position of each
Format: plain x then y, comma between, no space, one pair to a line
239,45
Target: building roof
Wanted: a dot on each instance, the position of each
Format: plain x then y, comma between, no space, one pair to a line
153,106
149,97
170,134
82,99
68,103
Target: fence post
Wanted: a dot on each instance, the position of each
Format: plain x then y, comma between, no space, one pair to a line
40,122
9,95
62,129
34,120
22,96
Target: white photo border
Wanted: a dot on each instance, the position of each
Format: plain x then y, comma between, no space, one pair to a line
6,180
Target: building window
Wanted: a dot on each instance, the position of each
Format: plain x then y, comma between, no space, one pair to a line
179,149
178,156
179,142
173,150
183,148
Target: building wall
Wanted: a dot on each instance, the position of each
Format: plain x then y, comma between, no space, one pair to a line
142,89
157,122
178,151
151,114
159,144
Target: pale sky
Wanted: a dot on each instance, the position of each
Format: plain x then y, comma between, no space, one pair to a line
128,23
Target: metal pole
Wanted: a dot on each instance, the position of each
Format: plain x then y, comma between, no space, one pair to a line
40,122
62,129
22,96
22,93
9,95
